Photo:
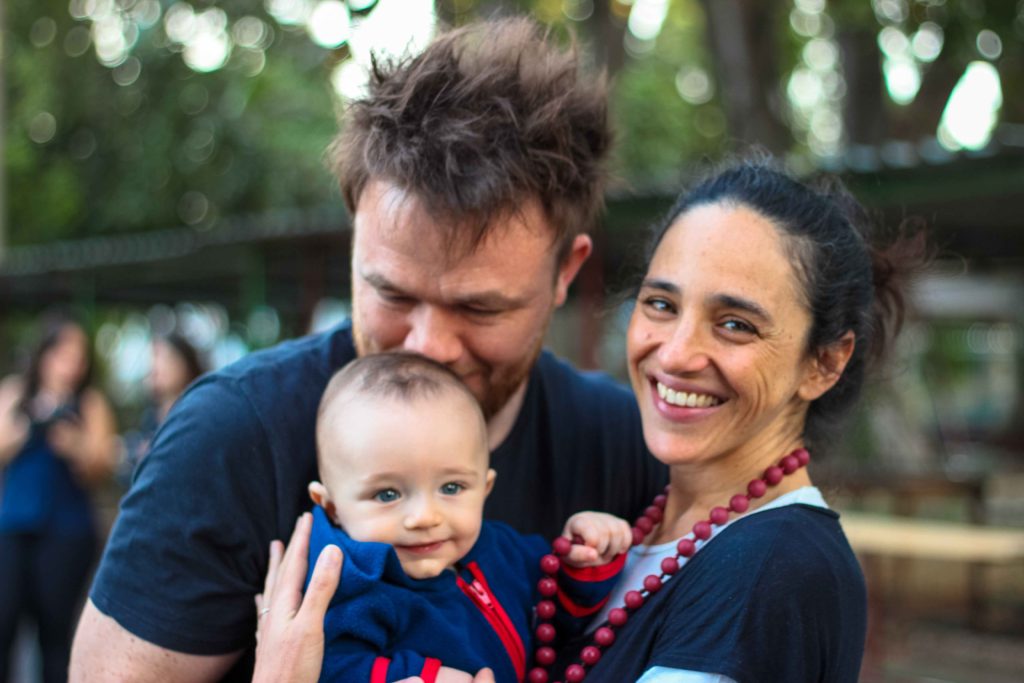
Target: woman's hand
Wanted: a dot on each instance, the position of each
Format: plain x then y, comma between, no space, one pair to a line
14,425
290,633
603,537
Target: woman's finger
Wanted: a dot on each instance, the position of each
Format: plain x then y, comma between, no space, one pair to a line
322,584
276,552
291,574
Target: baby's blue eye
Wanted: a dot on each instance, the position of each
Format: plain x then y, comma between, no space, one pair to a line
451,488
386,496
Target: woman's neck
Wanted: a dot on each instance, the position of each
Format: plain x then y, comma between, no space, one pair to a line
695,488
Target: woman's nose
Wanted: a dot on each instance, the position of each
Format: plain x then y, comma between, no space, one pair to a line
686,349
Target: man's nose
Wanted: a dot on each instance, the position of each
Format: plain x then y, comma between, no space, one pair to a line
434,333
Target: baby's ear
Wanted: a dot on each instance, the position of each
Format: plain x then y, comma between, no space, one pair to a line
491,476
320,496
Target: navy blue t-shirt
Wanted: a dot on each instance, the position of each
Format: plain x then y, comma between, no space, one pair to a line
776,596
228,470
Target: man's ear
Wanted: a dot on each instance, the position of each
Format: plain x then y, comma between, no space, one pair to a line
320,496
570,266
491,476
826,367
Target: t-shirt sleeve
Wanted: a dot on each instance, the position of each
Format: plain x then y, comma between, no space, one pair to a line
780,626
189,548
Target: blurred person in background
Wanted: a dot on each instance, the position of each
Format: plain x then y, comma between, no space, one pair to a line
174,364
57,440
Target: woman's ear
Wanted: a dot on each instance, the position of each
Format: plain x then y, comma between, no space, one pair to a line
826,367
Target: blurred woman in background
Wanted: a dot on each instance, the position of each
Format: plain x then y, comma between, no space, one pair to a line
57,440
174,364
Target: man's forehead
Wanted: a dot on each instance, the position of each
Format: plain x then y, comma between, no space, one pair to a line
389,212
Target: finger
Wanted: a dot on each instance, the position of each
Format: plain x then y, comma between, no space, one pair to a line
276,551
291,575
484,676
581,555
323,584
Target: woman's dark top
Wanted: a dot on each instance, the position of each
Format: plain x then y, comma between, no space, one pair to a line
38,490
777,596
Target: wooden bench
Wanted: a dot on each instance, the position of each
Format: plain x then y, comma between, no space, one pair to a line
878,537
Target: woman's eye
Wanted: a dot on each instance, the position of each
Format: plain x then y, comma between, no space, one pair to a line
386,496
451,488
657,304
734,325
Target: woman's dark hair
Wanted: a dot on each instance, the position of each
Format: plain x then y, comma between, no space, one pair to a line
51,326
850,283
186,351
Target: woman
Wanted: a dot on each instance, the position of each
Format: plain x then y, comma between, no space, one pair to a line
761,307
174,364
57,439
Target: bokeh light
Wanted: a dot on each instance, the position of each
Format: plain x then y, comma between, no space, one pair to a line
972,110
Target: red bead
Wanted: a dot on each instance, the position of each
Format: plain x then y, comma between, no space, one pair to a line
634,599
538,675
739,503
590,655
803,456
757,488
604,636
549,564
667,489
654,513
773,475
686,547
645,524
561,545
702,530
545,609
652,583
790,464
660,500
638,536
545,656
547,587
545,633
574,673
719,515
618,616
670,565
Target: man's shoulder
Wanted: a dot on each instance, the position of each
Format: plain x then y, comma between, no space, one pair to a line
595,387
314,353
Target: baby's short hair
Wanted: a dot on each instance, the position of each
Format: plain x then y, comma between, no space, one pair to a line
397,375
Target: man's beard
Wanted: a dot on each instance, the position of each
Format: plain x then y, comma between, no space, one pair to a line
498,387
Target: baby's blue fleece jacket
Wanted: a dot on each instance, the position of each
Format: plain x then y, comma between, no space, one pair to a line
383,626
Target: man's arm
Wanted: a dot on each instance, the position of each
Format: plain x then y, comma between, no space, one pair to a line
104,651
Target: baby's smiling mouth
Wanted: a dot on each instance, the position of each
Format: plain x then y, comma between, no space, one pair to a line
421,547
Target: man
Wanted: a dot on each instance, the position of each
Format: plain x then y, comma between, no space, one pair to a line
471,172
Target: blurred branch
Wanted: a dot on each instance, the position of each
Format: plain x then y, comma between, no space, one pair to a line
743,39
3,134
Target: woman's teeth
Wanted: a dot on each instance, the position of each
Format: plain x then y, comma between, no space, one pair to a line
685,399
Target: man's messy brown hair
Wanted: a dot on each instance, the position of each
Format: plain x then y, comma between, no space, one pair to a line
489,116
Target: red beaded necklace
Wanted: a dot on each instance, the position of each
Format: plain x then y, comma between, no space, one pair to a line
604,636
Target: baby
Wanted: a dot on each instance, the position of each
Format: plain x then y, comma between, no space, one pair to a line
428,588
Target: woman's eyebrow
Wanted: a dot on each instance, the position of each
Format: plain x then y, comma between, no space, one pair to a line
733,301
664,285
